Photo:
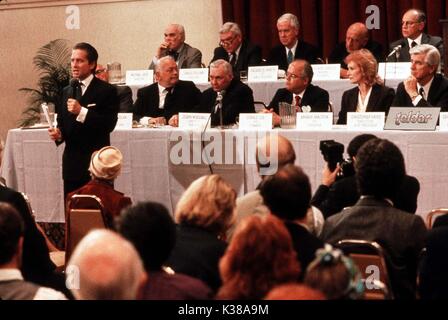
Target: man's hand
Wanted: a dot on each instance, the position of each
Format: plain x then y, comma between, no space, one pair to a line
157,121
174,121
410,85
73,106
55,134
328,177
162,49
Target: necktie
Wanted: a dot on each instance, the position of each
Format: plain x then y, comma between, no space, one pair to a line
298,103
169,94
421,91
232,59
413,44
290,56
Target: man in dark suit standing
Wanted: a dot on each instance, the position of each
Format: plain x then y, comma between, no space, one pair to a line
87,113
291,47
174,45
227,98
425,87
299,91
412,26
160,102
240,53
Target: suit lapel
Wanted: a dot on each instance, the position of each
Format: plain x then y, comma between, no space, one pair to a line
88,96
182,54
374,98
434,89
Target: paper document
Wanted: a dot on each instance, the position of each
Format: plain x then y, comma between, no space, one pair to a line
44,107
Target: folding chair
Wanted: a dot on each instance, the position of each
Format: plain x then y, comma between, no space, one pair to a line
84,213
433,215
370,259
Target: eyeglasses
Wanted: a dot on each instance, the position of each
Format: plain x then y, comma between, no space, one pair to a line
227,42
100,71
291,76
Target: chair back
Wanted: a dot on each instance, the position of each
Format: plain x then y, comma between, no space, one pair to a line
259,106
432,216
370,259
84,213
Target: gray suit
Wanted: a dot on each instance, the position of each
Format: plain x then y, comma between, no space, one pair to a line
404,53
188,57
399,233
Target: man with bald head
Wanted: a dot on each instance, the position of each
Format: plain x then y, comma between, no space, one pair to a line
160,102
107,266
174,45
356,38
412,27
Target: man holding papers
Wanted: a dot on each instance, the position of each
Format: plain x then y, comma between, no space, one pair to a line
87,113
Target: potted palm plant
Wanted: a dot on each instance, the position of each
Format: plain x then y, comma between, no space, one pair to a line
53,63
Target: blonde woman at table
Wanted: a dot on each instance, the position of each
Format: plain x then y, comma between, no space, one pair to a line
370,95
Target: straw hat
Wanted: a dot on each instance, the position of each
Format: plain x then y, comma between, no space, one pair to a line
106,163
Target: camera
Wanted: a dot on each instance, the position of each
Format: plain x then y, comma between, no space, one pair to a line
332,152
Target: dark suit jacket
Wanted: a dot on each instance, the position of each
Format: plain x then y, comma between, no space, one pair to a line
277,55
184,98
188,57
238,98
81,139
380,100
249,55
125,95
404,53
344,193
436,97
400,234
314,96
339,53
36,263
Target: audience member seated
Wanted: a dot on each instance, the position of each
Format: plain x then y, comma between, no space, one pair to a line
150,228
160,102
425,87
370,95
335,275
294,291
356,38
12,284
239,52
299,91
174,45
412,27
236,96
267,164
291,47
107,267
124,92
259,257
337,192
105,167
433,277
287,194
380,170
203,214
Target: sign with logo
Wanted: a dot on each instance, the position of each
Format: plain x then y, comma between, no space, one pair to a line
412,118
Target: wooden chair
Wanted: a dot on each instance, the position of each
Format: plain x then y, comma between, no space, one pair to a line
432,216
368,254
84,213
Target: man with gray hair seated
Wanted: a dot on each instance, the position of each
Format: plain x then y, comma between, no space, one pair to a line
105,266
291,47
425,87
174,45
239,52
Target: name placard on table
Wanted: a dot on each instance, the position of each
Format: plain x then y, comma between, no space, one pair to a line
412,118
194,121
124,121
259,121
197,75
263,73
139,77
326,71
310,121
394,70
443,121
371,121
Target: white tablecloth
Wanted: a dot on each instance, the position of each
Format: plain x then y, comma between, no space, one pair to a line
32,164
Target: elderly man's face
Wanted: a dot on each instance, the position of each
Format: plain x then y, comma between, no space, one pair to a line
410,27
219,78
168,74
354,40
295,83
287,34
173,37
420,69
101,73
229,41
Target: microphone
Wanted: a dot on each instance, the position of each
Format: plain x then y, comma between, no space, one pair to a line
218,105
74,83
395,51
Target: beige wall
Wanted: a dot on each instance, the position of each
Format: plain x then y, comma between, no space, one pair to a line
127,32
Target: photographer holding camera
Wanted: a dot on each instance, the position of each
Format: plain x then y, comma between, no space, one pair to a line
339,190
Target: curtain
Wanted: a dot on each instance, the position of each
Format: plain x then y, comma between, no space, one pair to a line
324,22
